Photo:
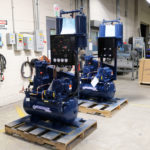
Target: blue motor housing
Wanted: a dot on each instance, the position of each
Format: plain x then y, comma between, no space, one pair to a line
51,99
90,66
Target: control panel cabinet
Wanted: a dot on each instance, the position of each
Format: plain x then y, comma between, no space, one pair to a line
10,38
39,37
19,42
63,48
28,43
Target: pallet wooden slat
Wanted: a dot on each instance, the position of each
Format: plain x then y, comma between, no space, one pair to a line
37,131
54,137
25,127
87,104
115,105
104,109
80,102
99,106
19,121
51,135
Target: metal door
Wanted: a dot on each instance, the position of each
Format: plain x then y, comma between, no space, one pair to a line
50,29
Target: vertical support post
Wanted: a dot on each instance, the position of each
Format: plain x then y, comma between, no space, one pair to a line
117,9
35,4
13,19
137,18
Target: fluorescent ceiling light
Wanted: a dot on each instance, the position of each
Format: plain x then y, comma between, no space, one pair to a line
148,1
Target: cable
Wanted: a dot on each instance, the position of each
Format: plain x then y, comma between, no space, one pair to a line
23,67
31,65
2,67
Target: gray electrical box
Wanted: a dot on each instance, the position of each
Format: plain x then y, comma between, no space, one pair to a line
10,38
19,42
28,43
39,37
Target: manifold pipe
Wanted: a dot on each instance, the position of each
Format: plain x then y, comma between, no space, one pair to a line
34,22
37,10
36,14
35,4
13,19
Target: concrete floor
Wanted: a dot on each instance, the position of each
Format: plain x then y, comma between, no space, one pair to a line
128,129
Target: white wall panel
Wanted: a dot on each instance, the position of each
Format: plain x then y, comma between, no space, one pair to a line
23,14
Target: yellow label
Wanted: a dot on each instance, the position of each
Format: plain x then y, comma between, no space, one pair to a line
20,35
41,34
45,92
53,94
46,101
30,80
101,77
30,39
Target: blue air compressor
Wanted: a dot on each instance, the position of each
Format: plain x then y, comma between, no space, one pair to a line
54,94
97,77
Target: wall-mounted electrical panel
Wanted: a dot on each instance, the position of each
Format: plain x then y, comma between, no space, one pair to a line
19,42
39,37
28,43
10,38
1,43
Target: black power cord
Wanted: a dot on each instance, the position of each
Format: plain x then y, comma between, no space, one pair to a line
2,67
31,65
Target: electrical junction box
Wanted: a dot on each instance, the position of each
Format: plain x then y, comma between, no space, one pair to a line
28,43
10,38
19,42
1,43
39,37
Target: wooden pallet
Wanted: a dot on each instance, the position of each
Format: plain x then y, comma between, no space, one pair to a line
44,133
104,109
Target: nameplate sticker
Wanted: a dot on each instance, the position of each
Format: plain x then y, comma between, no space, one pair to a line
94,82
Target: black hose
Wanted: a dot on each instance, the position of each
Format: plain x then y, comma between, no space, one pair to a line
23,67
2,62
2,66
31,65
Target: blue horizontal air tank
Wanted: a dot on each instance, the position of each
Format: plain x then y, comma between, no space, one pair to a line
52,110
